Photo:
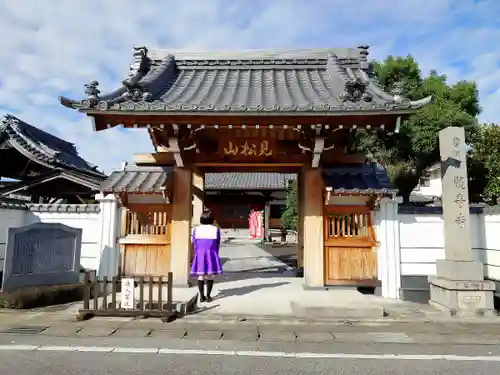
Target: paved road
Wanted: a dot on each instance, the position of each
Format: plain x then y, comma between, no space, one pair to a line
89,360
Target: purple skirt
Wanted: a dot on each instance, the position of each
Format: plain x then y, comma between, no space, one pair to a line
206,262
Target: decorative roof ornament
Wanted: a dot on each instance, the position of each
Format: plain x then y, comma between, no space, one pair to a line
355,90
91,90
398,92
363,57
139,68
3,124
166,83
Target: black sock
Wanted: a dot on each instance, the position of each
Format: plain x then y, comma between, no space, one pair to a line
210,285
201,284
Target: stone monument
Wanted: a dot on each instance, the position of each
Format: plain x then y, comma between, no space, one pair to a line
42,254
459,287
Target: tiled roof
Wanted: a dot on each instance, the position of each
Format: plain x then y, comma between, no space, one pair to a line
134,179
66,208
12,204
43,148
312,81
358,178
26,185
248,181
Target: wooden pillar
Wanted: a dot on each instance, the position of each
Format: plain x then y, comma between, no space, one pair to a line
267,219
300,223
313,229
198,196
181,225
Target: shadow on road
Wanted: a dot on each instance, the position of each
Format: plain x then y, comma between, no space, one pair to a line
223,293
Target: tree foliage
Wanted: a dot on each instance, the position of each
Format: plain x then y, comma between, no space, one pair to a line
408,153
486,158
290,214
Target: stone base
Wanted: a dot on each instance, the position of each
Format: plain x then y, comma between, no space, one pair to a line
335,304
459,270
462,298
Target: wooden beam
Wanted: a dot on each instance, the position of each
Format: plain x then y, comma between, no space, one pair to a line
158,158
347,119
176,151
319,146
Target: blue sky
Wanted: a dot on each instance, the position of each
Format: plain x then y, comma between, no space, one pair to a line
50,48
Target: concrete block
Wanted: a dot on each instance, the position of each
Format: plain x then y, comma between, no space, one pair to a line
132,333
336,311
168,333
185,299
459,270
243,335
272,335
96,332
462,298
62,331
203,335
314,336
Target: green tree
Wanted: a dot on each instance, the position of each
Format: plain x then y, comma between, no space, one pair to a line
486,158
289,217
408,153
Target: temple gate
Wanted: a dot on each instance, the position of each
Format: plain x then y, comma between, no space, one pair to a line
250,111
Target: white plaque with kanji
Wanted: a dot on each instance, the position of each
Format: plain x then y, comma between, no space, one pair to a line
128,294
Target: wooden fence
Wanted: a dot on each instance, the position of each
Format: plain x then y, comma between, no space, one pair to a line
98,300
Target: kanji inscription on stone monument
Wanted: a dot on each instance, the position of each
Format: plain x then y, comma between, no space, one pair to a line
455,192
459,287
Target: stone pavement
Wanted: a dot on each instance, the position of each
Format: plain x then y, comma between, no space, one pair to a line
256,305
256,283
480,332
248,256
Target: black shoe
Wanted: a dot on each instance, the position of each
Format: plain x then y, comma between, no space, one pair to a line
201,285
203,299
210,285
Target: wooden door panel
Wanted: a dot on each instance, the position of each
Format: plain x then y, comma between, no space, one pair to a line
146,260
145,241
349,247
351,263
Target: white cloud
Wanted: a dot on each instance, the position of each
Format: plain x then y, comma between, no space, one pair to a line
51,48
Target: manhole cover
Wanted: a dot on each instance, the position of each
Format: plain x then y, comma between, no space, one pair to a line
24,330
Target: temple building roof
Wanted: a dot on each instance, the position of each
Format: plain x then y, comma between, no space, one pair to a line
316,81
138,179
247,181
37,158
368,179
364,179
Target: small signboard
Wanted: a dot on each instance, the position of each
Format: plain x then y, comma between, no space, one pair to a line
128,289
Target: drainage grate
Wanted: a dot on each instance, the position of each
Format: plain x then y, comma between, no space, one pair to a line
33,330
391,337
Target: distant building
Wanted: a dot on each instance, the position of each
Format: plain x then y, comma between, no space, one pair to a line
39,167
429,184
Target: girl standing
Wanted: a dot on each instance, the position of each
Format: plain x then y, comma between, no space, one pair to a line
206,262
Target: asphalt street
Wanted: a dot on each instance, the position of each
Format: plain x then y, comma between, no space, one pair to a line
23,362
25,354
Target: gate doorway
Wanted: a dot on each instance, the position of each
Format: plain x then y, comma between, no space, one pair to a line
350,246
255,111
247,207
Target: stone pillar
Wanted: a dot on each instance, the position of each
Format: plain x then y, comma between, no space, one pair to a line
459,287
198,197
313,229
110,223
181,226
267,218
389,251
